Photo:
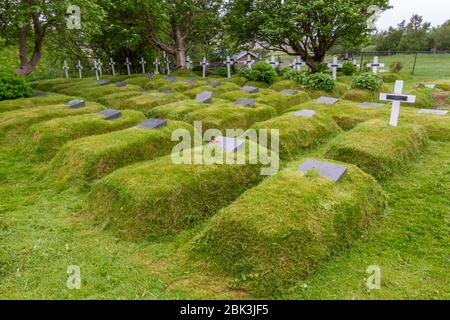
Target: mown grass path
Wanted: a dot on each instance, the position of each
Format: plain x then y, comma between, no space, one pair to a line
41,234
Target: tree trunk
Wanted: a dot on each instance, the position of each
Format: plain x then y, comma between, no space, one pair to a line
28,66
180,48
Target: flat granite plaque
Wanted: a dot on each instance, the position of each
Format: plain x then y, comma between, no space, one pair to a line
246,102
168,91
371,104
228,144
39,94
214,84
305,113
103,82
289,91
204,97
327,170
327,100
121,84
191,81
172,79
250,89
149,75
153,124
110,114
430,86
76,104
434,111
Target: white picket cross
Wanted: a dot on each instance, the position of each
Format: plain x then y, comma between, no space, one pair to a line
188,62
397,98
128,64
80,69
204,63
143,63
334,66
375,65
249,63
66,69
273,63
112,65
167,62
356,64
156,63
229,62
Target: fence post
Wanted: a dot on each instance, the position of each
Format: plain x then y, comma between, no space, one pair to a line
362,59
415,61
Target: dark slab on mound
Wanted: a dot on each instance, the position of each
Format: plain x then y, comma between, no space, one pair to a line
168,91
250,89
305,113
371,104
289,91
172,79
103,82
214,84
111,114
433,111
39,94
76,104
153,124
327,170
246,102
204,97
121,84
327,100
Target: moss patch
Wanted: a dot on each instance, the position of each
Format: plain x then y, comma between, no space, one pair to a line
443,85
43,140
225,87
378,148
14,122
359,95
24,103
116,100
157,198
297,134
424,98
281,230
284,84
282,101
148,101
84,160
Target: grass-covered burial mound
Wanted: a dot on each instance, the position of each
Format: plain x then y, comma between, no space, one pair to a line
378,148
87,159
146,102
280,231
159,197
44,139
299,133
25,103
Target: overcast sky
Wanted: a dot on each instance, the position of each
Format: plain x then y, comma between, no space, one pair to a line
434,11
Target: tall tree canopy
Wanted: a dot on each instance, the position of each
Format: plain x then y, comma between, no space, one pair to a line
308,28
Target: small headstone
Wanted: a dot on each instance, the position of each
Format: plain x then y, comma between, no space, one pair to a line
327,170
110,114
430,86
191,81
246,102
39,94
250,89
121,84
168,91
289,91
172,79
103,82
153,124
214,84
305,113
327,100
371,104
204,97
434,111
76,104
150,75
229,144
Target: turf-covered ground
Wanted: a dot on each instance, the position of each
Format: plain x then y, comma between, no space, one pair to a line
144,228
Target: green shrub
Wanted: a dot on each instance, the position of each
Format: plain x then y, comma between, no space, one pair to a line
277,234
391,77
223,72
43,140
378,148
300,76
321,81
360,95
284,84
367,81
13,86
322,68
348,68
299,134
260,71
158,198
396,67
87,159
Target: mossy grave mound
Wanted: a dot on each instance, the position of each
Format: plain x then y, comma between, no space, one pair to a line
378,148
97,91
277,233
360,95
231,116
283,101
15,122
182,86
82,161
158,198
219,90
25,103
47,85
179,110
285,84
116,100
298,133
443,85
43,140
148,101
424,98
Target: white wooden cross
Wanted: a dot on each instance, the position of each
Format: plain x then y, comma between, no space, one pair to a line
66,69
112,64
156,63
229,62
204,63
273,63
298,63
128,64
249,63
188,62
397,98
334,65
143,63
96,70
167,61
100,64
375,65
80,69
356,64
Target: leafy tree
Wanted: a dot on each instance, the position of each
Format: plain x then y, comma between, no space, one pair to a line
416,35
442,37
308,28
